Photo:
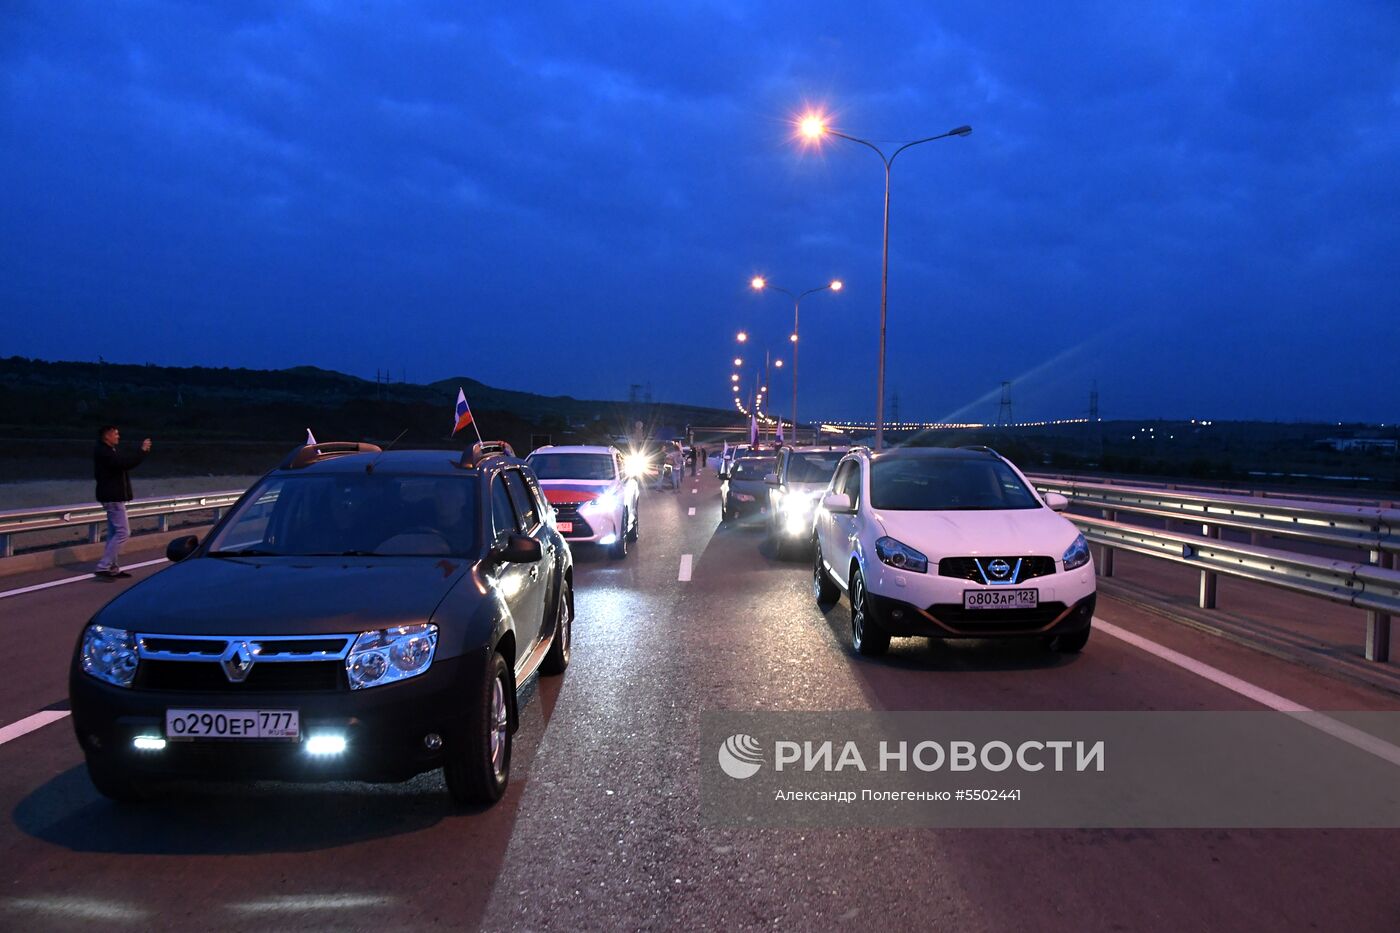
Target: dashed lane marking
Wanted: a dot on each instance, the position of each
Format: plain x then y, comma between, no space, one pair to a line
66,580
28,724
684,575
692,510
1320,721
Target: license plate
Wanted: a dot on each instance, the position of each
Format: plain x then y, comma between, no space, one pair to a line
232,724
564,527
1001,599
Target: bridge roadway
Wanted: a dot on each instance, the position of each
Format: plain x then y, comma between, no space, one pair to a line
601,826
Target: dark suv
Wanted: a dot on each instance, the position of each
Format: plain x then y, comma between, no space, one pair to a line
358,614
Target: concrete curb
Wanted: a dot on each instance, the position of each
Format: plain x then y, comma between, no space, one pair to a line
1252,633
82,556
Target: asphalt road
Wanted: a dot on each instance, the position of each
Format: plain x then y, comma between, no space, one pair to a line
601,828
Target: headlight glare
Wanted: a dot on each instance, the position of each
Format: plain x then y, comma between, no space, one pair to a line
388,655
900,556
109,654
607,502
1077,554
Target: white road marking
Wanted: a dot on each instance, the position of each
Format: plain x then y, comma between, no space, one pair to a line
685,568
694,491
1320,721
66,580
28,724
692,510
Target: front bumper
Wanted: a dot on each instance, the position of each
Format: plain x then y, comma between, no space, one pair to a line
592,528
384,727
929,605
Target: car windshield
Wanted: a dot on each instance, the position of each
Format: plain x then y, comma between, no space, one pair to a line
929,484
572,466
354,514
813,467
753,467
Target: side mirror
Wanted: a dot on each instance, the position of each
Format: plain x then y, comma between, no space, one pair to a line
1056,501
520,549
771,479
180,548
837,502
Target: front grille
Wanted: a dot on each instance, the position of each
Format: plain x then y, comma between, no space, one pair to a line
965,568
568,512
993,621
267,677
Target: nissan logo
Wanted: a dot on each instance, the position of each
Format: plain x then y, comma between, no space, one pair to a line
998,568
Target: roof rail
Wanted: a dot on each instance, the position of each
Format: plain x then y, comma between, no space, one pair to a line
481,450
983,448
308,454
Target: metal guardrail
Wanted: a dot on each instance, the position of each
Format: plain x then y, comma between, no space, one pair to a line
1372,584
27,521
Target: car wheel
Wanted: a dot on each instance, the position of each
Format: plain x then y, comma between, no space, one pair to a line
477,765
775,534
561,648
824,591
618,549
116,783
866,635
635,529
1072,643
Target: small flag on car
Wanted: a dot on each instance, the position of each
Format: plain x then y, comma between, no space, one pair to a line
310,438
464,415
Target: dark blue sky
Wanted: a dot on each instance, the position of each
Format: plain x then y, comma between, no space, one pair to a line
1195,204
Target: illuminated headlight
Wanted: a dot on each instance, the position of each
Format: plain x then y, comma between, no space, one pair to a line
636,464
109,654
1077,554
389,655
325,744
900,556
799,503
607,502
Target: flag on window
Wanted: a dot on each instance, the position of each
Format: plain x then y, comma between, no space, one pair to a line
753,429
310,438
464,412
780,430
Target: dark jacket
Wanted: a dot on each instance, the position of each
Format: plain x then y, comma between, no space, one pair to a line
109,467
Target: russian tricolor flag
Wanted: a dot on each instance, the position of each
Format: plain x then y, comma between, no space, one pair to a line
464,412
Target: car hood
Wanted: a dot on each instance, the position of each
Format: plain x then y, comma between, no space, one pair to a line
560,491
285,595
1003,532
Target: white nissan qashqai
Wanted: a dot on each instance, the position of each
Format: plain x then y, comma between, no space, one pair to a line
594,498
949,543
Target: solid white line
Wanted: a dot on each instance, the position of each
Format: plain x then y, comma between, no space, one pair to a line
66,580
685,568
1320,721
692,510
27,725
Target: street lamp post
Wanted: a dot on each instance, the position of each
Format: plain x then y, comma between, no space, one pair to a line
814,128
759,283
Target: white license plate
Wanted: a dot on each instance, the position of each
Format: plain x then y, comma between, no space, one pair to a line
232,724
1001,599
565,527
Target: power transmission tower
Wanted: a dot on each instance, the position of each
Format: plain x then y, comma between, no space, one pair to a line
1004,412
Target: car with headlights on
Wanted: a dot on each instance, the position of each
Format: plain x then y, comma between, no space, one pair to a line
794,487
594,498
950,543
744,491
358,614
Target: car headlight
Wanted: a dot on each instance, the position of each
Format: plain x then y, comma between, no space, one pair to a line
1077,554
636,464
388,655
109,654
900,556
799,503
607,502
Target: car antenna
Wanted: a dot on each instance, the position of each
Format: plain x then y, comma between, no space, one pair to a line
369,467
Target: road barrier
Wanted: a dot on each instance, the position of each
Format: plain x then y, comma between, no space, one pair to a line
1372,584
28,521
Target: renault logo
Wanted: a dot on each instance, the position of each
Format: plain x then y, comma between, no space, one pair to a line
999,568
237,661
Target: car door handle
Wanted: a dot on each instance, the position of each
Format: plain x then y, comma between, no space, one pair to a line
534,573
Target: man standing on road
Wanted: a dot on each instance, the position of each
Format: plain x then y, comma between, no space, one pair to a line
109,468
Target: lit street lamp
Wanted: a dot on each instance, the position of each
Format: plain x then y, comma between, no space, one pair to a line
759,283
814,128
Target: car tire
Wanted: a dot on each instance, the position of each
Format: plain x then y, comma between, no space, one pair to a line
117,783
561,649
477,766
632,514
1072,642
775,535
618,549
866,635
824,590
